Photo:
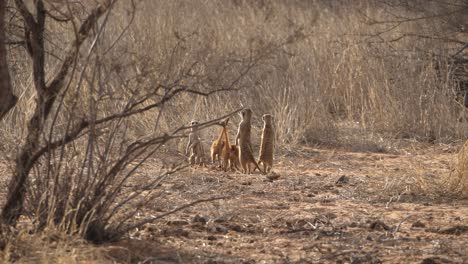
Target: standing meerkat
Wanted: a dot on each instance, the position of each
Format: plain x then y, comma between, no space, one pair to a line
218,144
267,145
194,146
243,142
229,154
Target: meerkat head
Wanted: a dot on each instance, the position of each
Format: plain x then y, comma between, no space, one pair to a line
246,114
194,123
267,118
234,149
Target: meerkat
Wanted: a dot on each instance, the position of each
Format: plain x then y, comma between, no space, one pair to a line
234,163
218,144
194,146
267,145
229,154
243,142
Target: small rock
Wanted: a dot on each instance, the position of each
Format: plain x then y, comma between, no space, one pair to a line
221,229
428,261
221,219
150,229
199,219
178,222
342,180
272,176
184,233
379,225
237,228
418,224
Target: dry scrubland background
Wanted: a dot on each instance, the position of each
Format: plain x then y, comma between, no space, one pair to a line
328,71
332,83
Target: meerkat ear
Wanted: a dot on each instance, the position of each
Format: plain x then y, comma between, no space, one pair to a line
263,117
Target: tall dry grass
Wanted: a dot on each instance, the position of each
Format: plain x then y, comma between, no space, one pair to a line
457,183
337,73
317,70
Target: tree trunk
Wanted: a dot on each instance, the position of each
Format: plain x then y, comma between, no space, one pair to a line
46,96
7,98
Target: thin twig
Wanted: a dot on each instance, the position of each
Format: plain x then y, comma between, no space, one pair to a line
397,228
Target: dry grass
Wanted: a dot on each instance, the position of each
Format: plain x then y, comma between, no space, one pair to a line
457,182
337,73
50,246
333,83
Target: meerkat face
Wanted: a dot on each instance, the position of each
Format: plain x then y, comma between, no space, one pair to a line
194,123
234,149
246,113
267,118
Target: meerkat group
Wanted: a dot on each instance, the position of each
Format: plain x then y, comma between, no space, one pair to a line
222,151
238,156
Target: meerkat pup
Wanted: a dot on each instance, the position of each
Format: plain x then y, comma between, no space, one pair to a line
246,157
234,163
267,145
218,144
194,146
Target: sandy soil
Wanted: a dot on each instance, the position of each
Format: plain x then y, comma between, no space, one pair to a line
325,206
319,206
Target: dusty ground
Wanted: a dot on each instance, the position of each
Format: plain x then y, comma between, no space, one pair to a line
306,215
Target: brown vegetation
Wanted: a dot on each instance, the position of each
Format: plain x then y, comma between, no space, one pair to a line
93,148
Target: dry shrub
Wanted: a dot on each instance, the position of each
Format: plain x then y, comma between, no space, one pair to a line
457,182
453,185
50,246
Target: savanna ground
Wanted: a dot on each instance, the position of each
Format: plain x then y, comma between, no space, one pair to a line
369,114
320,205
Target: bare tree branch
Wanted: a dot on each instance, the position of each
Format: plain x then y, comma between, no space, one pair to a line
46,97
